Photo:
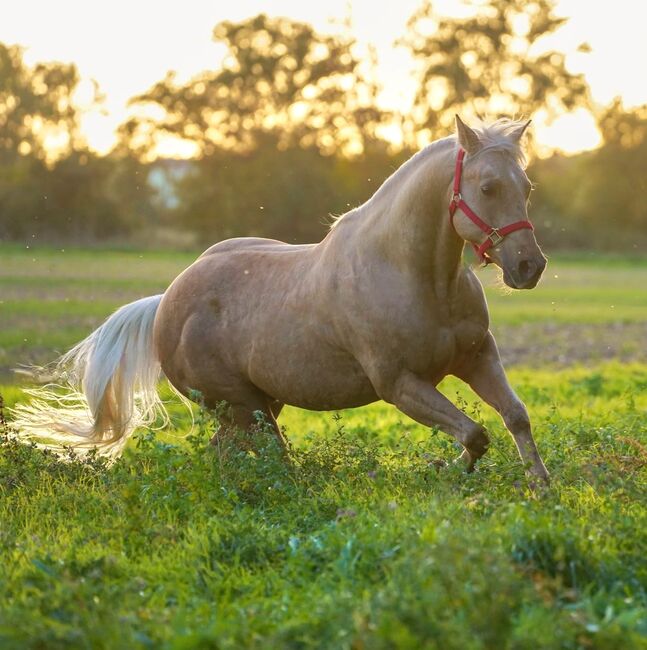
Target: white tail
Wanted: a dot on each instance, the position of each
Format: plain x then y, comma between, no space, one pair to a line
111,378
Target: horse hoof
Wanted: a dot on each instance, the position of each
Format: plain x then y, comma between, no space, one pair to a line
437,464
538,483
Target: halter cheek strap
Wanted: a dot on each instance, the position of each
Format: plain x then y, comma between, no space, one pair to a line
494,236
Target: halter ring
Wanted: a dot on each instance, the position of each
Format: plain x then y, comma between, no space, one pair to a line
495,237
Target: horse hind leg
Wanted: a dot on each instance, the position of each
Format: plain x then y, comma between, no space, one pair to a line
242,422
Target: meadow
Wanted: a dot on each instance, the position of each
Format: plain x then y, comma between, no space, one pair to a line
360,541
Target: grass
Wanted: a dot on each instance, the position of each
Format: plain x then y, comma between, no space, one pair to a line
360,542
575,290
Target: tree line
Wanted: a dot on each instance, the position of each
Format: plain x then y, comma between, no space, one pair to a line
288,131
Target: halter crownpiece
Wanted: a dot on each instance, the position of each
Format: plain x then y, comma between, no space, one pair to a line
494,236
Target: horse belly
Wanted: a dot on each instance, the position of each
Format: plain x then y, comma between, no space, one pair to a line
257,321
319,379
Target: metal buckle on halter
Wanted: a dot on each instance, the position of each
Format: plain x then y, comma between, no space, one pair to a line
456,198
495,237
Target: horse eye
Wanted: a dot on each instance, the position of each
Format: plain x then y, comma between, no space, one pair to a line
488,190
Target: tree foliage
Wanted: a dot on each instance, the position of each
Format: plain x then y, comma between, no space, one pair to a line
489,64
68,193
286,194
278,125
280,78
34,103
621,127
596,199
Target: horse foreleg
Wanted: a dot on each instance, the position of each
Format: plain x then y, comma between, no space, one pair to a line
487,378
422,401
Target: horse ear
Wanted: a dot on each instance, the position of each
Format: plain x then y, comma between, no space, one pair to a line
467,138
516,134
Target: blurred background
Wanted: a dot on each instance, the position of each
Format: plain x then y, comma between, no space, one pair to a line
134,135
151,125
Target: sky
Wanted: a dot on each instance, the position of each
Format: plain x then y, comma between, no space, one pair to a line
126,46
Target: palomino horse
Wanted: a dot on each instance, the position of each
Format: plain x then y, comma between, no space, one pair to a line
382,308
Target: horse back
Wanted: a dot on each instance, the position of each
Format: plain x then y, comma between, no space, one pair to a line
250,243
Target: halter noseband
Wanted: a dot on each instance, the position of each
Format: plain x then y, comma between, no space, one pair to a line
494,236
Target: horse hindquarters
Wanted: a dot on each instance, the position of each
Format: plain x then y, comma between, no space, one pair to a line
112,376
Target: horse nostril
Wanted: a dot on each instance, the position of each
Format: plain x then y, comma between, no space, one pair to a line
525,268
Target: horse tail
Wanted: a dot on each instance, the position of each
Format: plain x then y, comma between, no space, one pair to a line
110,382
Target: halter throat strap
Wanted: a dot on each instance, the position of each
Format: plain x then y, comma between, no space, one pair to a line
494,236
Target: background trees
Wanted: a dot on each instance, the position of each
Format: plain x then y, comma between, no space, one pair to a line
596,199
288,130
35,103
489,64
51,186
280,82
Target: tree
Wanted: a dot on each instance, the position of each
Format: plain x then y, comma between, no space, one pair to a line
595,199
63,191
34,103
286,194
489,64
280,80
621,127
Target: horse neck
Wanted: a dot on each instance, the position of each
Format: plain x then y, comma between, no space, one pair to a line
407,219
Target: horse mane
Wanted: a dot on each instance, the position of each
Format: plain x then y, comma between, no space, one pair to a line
495,135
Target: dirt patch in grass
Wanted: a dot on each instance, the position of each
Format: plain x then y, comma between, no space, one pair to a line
563,344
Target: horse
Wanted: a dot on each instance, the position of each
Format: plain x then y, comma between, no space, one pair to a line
382,308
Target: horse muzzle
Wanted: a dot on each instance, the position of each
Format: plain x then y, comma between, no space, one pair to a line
525,274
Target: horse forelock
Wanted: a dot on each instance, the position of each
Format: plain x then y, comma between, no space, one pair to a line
499,135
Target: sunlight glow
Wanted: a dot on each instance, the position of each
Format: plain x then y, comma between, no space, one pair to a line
128,46
568,133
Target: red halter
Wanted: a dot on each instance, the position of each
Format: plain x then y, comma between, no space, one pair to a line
494,235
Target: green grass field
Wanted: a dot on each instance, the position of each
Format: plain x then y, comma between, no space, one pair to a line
360,542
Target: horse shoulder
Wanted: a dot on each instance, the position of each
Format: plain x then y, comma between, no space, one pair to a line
472,297
471,321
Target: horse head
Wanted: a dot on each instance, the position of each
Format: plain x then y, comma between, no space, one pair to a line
489,204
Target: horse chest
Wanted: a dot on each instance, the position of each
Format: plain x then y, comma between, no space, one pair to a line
468,320
468,336
453,327
445,347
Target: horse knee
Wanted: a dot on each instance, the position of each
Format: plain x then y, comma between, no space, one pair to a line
476,444
516,418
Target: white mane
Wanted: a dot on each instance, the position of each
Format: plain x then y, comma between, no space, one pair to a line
496,135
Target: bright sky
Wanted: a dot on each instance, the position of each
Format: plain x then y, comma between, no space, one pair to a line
128,45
